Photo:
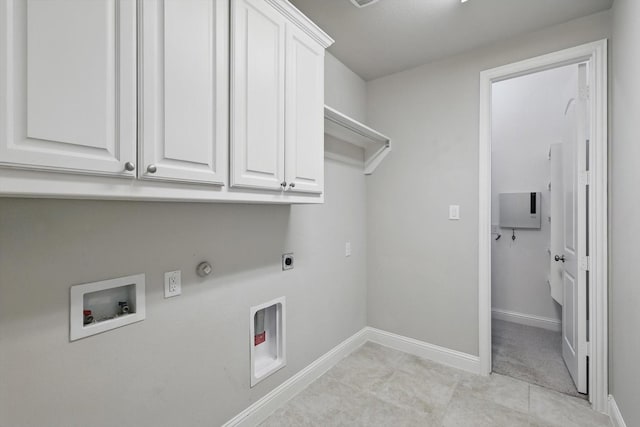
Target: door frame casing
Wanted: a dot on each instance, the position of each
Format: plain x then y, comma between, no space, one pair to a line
596,55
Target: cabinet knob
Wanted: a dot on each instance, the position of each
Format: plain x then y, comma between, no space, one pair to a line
283,184
152,169
292,185
130,166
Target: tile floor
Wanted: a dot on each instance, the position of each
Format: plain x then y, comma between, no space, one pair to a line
378,386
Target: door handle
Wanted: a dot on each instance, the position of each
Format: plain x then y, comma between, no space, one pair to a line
559,258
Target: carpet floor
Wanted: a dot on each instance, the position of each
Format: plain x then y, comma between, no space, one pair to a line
531,354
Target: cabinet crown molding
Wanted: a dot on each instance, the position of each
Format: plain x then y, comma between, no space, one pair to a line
302,21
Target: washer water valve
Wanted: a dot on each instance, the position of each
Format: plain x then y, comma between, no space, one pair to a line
88,317
123,307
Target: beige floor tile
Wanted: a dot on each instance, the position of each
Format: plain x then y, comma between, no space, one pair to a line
378,386
366,366
415,365
372,412
466,410
288,417
555,409
428,393
505,391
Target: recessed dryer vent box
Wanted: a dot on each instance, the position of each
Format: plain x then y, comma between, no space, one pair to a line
100,306
267,339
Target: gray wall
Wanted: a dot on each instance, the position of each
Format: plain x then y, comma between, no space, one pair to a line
188,362
422,268
347,92
625,210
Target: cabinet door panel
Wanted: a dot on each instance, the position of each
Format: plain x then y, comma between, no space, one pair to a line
257,90
184,90
304,144
68,85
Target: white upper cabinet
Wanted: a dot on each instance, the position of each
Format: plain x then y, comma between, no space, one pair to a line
93,91
184,90
277,98
304,124
257,95
68,85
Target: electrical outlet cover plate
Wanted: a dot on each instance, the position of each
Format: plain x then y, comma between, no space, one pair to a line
287,261
172,284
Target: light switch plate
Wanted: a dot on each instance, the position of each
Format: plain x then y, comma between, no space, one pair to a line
172,284
454,212
347,249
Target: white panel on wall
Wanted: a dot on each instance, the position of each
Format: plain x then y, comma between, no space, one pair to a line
69,87
184,114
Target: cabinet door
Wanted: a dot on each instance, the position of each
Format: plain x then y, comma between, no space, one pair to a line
304,143
184,101
257,95
68,85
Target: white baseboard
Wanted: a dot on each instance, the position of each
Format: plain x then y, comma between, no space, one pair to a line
615,414
445,356
527,319
264,407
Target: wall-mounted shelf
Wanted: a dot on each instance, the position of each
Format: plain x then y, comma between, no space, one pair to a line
342,127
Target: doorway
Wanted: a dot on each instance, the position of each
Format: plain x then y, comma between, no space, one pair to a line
537,122
582,258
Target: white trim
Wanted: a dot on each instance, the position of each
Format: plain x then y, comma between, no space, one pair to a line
615,414
264,407
527,319
273,400
36,184
302,21
596,54
445,356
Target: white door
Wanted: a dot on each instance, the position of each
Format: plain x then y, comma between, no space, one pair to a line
68,85
304,143
574,309
257,95
556,270
184,103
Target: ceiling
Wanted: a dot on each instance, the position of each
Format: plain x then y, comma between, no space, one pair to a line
394,35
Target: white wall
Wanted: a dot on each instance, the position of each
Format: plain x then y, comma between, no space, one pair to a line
187,364
422,268
528,116
625,210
